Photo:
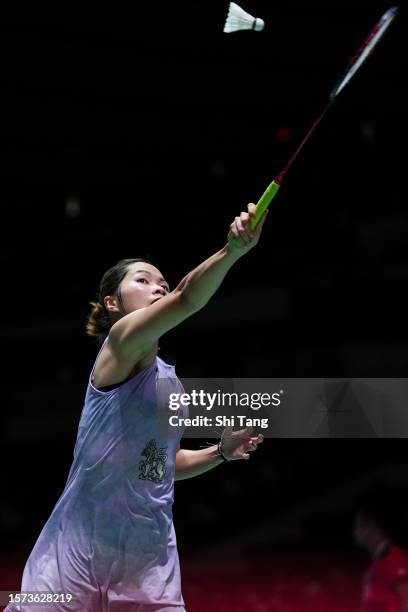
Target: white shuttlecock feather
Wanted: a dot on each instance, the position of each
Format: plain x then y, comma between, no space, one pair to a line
238,19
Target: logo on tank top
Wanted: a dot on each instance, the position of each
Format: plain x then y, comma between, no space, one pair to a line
154,466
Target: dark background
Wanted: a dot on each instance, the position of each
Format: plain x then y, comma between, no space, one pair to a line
143,133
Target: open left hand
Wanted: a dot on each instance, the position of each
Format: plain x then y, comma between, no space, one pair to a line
238,444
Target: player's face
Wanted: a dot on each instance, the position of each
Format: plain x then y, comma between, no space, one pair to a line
142,286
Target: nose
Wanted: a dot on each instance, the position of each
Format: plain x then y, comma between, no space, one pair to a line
159,290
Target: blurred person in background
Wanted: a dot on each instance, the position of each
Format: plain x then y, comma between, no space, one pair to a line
380,528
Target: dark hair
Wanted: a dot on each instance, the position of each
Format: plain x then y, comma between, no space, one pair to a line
99,321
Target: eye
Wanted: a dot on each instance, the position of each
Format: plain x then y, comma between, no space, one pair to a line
142,280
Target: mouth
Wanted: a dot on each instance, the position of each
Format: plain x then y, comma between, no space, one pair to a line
156,300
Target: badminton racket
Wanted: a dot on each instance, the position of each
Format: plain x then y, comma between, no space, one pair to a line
354,64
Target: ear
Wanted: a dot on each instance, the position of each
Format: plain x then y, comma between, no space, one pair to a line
111,303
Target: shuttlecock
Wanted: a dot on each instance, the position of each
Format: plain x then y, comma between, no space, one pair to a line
238,19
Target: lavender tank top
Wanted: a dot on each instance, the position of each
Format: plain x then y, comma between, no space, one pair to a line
110,539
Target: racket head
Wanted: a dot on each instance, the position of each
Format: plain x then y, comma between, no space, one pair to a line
365,49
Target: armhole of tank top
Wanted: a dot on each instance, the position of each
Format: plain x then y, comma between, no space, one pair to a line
90,381
120,385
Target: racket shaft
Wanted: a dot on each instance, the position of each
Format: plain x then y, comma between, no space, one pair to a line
368,45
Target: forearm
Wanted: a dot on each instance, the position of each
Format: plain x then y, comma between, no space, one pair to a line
190,463
202,282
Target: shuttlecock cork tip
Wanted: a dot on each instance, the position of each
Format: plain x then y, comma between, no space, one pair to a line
259,24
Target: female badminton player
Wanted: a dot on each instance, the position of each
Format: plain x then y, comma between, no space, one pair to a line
109,544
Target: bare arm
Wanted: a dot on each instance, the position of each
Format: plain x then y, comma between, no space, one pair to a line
134,332
190,463
235,445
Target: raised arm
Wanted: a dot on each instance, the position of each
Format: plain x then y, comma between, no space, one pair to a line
134,333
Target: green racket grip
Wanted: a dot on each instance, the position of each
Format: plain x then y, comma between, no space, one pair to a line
262,204
264,201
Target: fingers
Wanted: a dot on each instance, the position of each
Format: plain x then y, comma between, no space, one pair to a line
253,442
261,222
242,433
238,444
251,209
252,215
245,231
242,228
